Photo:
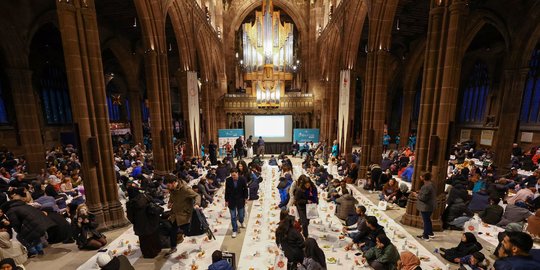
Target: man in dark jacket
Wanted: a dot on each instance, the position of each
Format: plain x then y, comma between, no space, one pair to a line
493,213
514,254
236,194
29,223
212,151
145,221
218,263
425,203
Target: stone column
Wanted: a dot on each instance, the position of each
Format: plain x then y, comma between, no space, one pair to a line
82,53
181,77
440,90
24,101
135,109
374,108
512,88
408,107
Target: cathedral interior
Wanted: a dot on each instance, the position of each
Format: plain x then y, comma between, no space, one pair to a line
444,79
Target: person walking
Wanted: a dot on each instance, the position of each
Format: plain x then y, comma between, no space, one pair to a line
236,194
144,215
425,203
182,201
249,146
260,147
212,152
305,194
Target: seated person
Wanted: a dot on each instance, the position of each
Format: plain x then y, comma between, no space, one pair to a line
272,161
456,214
346,205
533,224
283,188
493,213
12,249
332,190
479,201
524,194
514,213
204,200
474,261
467,246
408,173
384,255
530,180
360,227
514,253
408,261
367,241
85,230
402,195
218,263
389,191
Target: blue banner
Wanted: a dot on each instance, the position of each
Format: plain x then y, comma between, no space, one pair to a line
230,133
306,135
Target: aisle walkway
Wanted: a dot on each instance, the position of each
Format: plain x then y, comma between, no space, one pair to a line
253,244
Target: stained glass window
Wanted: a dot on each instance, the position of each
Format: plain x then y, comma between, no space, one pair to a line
475,94
3,110
55,96
530,113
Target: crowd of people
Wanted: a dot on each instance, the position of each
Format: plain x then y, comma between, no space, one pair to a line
164,209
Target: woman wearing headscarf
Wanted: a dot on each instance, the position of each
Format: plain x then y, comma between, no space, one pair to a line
533,222
314,256
290,241
12,249
9,264
408,261
467,246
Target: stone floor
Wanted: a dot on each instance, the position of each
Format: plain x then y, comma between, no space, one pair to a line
67,256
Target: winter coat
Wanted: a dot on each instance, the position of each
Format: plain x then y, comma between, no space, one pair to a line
389,256
455,210
220,265
463,248
513,214
144,221
346,206
86,231
29,223
516,263
254,189
492,214
534,224
236,196
427,198
479,201
283,188
12,249
182,199
292,246
61,232
310,264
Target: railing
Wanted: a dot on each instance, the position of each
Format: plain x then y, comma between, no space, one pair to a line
290,101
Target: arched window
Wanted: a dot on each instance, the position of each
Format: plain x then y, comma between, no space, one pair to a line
475,94
417,95
3,110
113,103
530,112
55,96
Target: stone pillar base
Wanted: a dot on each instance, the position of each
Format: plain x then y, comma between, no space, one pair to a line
412,216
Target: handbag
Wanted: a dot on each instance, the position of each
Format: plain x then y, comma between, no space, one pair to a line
312,211
383,205
280,263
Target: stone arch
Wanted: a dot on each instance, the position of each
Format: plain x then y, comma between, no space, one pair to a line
248,6
13,48
356,14
50,16
478,20
525,41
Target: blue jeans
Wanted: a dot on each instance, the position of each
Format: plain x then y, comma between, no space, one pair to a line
428,227
236,212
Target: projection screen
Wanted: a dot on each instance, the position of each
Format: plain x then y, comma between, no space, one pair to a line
273,128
